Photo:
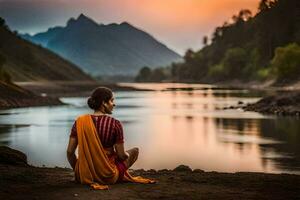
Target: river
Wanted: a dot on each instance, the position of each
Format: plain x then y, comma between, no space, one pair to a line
173,124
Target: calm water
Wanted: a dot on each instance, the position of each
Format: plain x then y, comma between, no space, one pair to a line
171,126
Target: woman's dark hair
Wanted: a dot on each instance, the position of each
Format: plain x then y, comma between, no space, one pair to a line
99,95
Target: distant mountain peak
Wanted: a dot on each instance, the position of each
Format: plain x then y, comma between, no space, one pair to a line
125,24
81,20
117,48
83,17
128,26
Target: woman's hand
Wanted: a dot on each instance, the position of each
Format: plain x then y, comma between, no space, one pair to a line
121,151
71,152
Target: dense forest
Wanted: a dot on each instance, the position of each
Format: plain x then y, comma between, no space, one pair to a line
245,48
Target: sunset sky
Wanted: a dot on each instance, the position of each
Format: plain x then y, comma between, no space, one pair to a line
180,24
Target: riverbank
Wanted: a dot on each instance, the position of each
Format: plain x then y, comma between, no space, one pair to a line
281,100
71,88
30,94
285,103
21,181
14,96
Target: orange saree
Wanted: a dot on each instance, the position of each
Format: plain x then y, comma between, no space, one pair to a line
94,167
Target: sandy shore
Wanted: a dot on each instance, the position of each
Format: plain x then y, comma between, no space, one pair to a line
20,181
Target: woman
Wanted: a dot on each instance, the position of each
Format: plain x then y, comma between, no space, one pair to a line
101,158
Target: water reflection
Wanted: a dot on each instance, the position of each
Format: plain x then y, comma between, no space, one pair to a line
286,130
171,126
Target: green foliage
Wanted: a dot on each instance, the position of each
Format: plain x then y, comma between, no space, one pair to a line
148,75
266,4
243,47
158,75
216,72
234,61
286,63
264,73
2,22
143,75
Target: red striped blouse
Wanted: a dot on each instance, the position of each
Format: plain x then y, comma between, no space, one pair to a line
109,129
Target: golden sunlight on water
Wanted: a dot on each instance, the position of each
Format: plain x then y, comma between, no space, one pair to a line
183,138
172,124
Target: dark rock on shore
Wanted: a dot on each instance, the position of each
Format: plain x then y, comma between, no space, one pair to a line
12,157
286,103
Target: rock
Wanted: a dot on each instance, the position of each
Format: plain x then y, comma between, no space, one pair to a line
240,102
151,170
182,168
198,171
282,104
12,156
139,170
163,171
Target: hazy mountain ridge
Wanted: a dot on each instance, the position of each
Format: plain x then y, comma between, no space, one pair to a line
25,61
43,38
106,49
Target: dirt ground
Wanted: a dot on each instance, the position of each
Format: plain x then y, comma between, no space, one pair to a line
26,182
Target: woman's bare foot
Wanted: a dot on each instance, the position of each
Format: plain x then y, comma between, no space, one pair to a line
133,156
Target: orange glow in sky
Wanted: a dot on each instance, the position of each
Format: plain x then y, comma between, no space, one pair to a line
179,24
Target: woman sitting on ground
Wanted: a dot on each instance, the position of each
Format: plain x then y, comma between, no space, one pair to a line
101,158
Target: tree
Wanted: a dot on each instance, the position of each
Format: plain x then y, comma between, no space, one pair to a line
286,63
244,47
217,34
188,56
143,75
205,40
266,4
2,22
234,62
158,75
245,15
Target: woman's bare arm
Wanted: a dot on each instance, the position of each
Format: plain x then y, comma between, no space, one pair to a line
71,152
121,151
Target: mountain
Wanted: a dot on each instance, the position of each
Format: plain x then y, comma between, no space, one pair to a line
113,49
25,61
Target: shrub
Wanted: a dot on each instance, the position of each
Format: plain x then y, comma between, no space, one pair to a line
234,62
286,63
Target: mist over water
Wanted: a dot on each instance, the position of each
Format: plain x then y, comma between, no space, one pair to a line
174,124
